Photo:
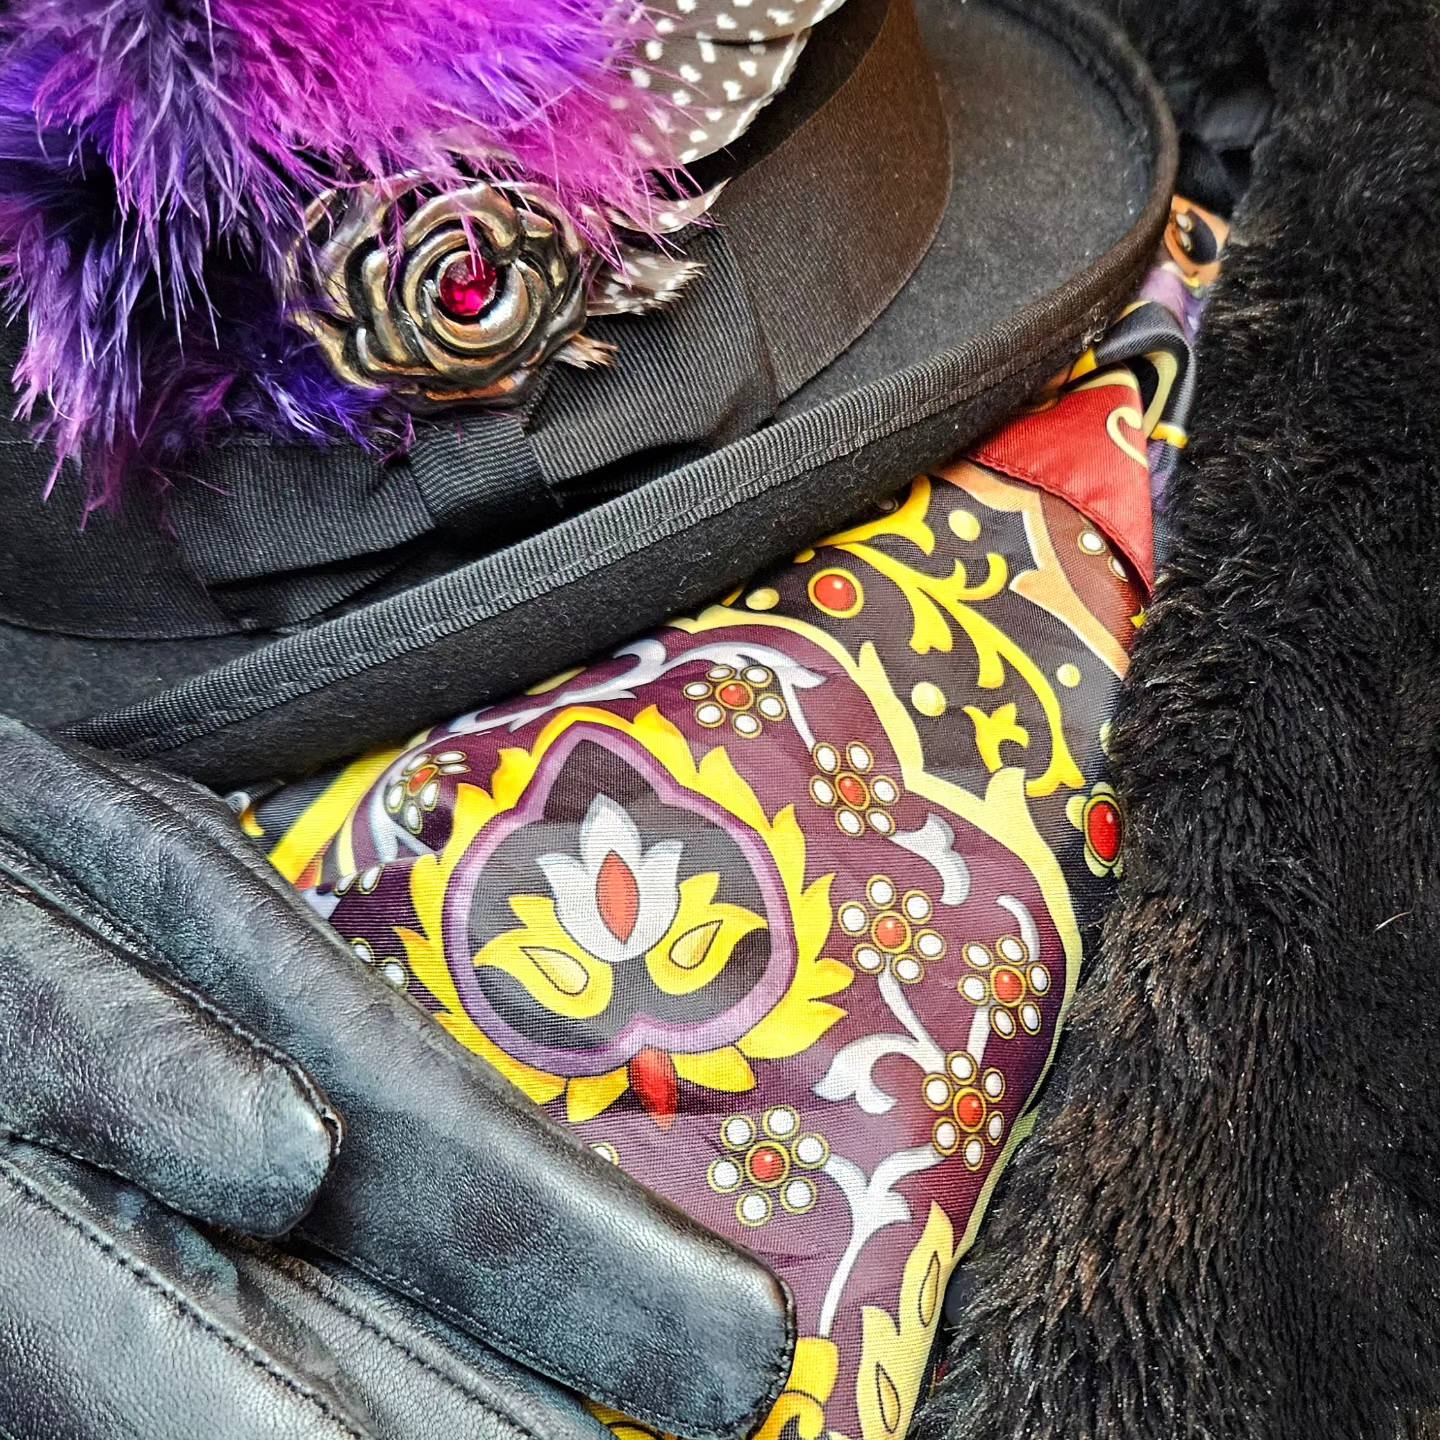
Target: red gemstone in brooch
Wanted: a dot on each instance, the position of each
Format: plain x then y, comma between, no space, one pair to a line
467,286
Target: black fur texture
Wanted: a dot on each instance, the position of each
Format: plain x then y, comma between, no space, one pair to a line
1227,1223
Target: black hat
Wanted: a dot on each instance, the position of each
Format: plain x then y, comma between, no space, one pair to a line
933,218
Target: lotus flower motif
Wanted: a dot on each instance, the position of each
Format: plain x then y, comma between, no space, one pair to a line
616,899
654,929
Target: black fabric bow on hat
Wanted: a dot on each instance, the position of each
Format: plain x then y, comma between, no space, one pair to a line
264,536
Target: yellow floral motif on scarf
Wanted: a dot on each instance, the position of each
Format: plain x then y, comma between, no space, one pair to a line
560,975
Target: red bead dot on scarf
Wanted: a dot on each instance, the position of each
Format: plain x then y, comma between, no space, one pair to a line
1102,829
969,1109
835,592
767,1164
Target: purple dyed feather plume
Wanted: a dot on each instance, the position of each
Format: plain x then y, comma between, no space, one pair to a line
153,152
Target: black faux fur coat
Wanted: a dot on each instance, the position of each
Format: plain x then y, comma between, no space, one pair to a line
1228,1221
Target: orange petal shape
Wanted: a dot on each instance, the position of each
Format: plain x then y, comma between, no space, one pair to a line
617,896
653,1079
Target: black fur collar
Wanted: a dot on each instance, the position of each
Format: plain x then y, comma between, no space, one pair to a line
1228,1221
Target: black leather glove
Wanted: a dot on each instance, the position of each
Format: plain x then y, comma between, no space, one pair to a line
120,1318
170,1012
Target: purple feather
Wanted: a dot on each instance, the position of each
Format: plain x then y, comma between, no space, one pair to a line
255,373
144,143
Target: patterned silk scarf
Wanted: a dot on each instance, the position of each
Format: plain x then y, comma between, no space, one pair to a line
780,908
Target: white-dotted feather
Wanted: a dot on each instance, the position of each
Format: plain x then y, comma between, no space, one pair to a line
640,280
715,64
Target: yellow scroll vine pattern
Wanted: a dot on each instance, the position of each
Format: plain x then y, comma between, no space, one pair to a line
933,598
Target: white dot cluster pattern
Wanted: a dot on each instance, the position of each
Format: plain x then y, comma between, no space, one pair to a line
713,65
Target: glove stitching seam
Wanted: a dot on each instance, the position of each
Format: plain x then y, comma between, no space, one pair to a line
244,858
295,1268
177,1301
164,1193
81,899
158,1192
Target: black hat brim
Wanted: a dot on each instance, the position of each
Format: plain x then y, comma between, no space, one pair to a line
1064,160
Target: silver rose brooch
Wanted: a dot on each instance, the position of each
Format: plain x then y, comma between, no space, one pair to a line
465,295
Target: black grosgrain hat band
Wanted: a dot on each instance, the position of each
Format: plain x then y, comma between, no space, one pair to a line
851,163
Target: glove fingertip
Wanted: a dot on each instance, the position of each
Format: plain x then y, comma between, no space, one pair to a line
297,1136
255,1159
